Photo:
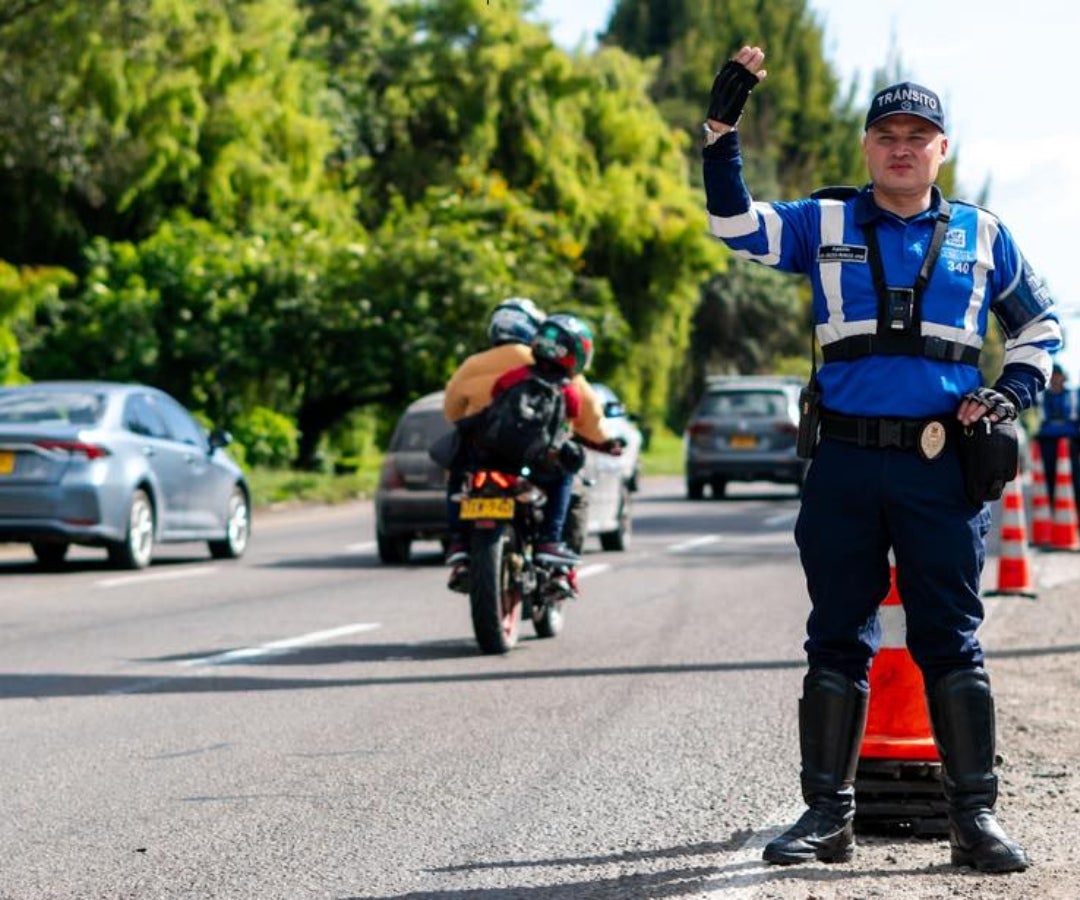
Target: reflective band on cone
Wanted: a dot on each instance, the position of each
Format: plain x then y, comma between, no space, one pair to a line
1064,534
1014,566
897,721
1042,522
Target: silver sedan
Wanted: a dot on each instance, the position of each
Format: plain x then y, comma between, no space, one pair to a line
119,466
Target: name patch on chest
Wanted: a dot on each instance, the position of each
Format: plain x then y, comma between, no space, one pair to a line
841,253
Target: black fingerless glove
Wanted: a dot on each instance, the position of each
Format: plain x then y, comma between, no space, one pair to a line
571,457
1004,407
730,90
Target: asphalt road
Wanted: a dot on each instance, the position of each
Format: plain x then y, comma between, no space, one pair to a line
307,723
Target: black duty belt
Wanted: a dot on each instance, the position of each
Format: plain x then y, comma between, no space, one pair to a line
928,436
930,346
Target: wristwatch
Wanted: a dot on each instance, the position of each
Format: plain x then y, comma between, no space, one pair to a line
709,136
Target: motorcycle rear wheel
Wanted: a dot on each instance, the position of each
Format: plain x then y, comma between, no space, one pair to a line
493,599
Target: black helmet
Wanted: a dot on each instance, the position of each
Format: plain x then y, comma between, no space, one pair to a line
566,341
514,321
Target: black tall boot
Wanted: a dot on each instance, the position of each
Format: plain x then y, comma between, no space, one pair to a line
962,711
832,716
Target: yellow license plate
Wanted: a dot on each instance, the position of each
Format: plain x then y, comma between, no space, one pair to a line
7,462
487,508
743,440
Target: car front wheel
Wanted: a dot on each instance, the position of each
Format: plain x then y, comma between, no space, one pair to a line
619,539
237,528
137,548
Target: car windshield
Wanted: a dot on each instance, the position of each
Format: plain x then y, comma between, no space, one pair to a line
744,404
417,432
70,407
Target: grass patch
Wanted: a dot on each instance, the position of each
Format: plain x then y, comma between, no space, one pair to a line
275,486
665,455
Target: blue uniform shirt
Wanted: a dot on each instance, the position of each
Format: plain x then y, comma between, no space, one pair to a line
979,270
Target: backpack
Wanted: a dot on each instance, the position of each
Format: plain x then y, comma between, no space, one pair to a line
522,422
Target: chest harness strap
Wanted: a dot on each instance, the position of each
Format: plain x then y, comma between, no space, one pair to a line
899,322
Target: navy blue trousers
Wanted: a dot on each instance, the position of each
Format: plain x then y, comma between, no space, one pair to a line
858,502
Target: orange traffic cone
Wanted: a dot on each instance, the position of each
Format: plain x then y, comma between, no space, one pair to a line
898,778
1041,517
1063,532
1014,567
897,721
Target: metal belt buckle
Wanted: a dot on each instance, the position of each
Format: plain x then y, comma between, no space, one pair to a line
890,433
931,442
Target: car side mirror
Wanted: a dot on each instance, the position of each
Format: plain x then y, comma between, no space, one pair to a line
219,437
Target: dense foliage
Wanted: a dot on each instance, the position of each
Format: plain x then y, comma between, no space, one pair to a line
306,208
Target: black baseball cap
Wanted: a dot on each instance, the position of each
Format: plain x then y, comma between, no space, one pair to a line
909,99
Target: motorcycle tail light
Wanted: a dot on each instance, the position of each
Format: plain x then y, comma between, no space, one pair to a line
499,479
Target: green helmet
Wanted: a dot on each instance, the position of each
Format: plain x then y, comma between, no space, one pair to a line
566,341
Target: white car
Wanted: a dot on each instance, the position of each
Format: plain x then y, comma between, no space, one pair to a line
609,481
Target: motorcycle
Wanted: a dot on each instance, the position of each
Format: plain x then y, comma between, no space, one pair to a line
506,583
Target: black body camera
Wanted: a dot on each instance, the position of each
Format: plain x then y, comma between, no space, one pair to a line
809,420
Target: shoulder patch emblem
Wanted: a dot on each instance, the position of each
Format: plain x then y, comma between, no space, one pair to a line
956,237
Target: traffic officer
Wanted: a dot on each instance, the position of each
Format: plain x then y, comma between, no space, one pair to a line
902,284
1059,420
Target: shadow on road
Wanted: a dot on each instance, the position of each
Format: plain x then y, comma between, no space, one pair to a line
684,881
21,685
211,680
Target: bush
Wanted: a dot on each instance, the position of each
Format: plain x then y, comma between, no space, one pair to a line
268,438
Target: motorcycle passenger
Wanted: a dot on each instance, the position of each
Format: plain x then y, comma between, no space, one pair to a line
512,328
562,351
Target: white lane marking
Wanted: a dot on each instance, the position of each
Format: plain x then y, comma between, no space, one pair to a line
784,518
144,577
360,548
695,542
765,543
314,637
594,569
247,653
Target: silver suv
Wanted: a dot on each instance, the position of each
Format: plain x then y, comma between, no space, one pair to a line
743,429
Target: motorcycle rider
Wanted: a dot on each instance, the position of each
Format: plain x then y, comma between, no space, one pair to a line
562,351
512,328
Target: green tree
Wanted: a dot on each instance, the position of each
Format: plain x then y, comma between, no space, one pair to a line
119,112
22,290
460,87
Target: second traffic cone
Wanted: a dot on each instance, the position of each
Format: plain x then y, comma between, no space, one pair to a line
1014,566
1063,531
1042,522
897,721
